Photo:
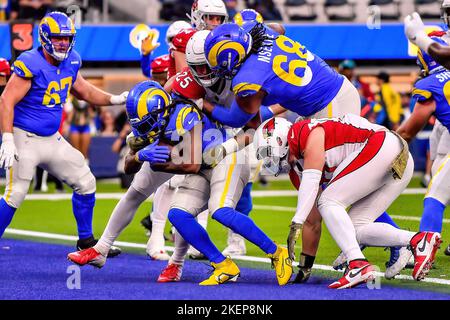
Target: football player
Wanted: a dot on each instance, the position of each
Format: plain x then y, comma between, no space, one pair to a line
205,15
341,152
268,68
32,104
431,99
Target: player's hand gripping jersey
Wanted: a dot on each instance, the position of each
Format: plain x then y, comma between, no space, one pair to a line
436,87
40,110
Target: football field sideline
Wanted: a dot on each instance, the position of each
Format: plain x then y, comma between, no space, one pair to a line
55,236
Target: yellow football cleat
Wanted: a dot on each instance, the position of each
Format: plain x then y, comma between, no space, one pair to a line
282,265
223,272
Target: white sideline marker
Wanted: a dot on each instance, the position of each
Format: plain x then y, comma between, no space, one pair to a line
45,235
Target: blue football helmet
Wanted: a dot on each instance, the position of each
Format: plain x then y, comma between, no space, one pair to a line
147,107
56,24
426,63
226,47
247,15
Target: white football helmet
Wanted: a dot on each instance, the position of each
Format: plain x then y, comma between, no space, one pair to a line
271,145
203,8
196,59
175,29
445,8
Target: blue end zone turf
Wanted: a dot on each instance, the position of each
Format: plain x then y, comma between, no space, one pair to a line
32,270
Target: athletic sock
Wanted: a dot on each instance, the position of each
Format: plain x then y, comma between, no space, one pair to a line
433,214
385,218
6,215
243,225
83,210
194,234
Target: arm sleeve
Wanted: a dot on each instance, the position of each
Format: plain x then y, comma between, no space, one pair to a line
307,194
234,116
266,113
146,61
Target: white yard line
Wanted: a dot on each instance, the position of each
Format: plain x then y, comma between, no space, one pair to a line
119,195
45,235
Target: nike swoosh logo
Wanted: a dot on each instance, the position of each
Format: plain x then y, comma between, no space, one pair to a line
59,138
189,122
352,274
422,248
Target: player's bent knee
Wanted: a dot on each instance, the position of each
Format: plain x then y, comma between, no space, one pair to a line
86,185
327,202
15,199
176,216
224,215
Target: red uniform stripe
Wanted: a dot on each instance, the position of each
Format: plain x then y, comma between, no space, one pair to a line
372,148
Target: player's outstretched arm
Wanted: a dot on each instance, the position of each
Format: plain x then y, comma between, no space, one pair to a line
86,91
419,118
440,53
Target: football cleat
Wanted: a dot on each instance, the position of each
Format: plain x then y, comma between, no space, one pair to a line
87,256
158,254
359,271
194,254
91,241
224,271
236,245
447,251
302,275
282,265
393,269
424,246
171,273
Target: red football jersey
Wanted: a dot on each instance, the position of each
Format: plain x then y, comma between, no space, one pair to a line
185,86
343,136
179,43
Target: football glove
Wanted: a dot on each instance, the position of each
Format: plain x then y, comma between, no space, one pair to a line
153,153
8,151
415,31
120,99
294,233
147,45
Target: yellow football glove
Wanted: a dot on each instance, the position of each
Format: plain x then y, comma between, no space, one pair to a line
147,45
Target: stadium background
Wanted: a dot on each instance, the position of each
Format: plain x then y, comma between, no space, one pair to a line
369,32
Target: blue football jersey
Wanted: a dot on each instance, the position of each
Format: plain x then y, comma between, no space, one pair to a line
290,75
184,118
40,110
437,87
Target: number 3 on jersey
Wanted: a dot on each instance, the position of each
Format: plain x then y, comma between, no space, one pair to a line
294,63
52,94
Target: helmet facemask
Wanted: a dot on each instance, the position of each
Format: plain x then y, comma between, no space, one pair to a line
61,51
203,74
273,161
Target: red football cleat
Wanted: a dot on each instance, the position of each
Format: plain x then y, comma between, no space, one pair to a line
171,273
358,271
424,246
87,256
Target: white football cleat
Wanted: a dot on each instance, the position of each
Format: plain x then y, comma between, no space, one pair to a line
195,254
404,255
158,254
236,245
424,246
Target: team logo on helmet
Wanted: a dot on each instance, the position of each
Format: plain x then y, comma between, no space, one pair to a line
268,128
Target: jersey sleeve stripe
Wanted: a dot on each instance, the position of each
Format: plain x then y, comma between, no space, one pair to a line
423,93
22,67
245,86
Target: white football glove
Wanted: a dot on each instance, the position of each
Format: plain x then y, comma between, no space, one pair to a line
120,99
8,151
415,31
